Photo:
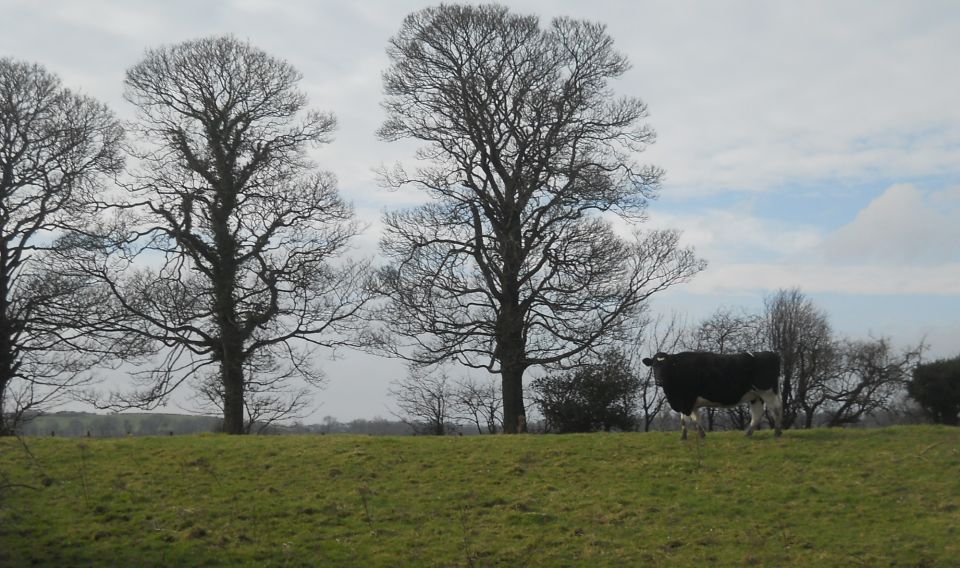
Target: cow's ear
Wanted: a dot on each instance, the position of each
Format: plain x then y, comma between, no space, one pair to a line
648,361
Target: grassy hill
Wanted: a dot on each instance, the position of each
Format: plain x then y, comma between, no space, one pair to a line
882,497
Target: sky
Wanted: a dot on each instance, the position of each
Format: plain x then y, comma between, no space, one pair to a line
806,144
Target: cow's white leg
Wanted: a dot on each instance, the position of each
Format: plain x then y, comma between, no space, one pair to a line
778,414
695,418
775,405
683,427
756,414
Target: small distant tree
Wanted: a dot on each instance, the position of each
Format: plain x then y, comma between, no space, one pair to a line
660,333
425,400
56,149
868,377
936,388
869,374
597,397
728,331
481,403
800,332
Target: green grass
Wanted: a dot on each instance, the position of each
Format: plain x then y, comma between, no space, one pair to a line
885,497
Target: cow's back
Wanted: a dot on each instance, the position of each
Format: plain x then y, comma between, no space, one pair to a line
766,371
721,379
728,378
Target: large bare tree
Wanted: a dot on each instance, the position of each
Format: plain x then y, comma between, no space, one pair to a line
514,262
229,250
56,147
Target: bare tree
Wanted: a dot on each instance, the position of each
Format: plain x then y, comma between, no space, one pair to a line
869,376
231,242
56,146
480,403
269,396
425,400
660,333
801,334
726,331
514,262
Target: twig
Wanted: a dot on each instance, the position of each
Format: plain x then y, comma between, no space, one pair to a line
466,538
364,491
928,448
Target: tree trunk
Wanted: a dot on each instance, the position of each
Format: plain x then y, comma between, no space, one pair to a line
514,413
512,353
6,376
6,347
231,374
224,280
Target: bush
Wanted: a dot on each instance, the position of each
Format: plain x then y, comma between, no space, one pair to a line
601,396
936,387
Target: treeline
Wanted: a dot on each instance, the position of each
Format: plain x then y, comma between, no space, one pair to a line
199,247
827,379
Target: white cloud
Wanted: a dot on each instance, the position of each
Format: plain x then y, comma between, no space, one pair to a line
737,234
756,97
902,242
902,227
940,280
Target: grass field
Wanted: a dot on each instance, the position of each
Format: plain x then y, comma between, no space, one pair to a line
883,497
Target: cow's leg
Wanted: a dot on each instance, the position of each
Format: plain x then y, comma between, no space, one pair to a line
683,427
756,414
695,418
774,405
778,414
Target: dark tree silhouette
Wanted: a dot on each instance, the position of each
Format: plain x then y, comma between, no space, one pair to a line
56,147
726,331
800,332
480,403
868,376
270,395
936,388
236,235
514,262
425,400
596,397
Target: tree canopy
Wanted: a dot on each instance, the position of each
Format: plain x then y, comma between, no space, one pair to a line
238,235
57,148
515,261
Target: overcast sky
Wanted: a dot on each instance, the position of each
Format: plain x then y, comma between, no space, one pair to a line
808,144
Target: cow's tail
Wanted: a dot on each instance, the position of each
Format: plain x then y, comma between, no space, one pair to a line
778,411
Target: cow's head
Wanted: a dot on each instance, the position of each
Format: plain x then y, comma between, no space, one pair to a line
656,363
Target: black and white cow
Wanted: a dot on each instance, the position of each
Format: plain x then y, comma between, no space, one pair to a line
696,379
